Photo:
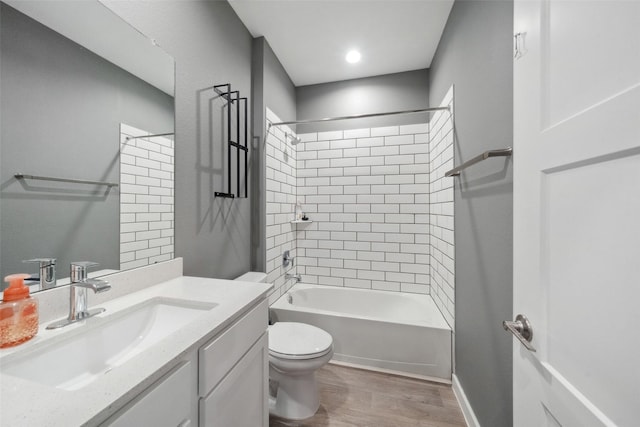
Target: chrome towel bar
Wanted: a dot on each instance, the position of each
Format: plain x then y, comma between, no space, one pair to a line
503,152
149,136
77,181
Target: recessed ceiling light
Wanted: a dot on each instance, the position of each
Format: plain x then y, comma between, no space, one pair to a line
353,56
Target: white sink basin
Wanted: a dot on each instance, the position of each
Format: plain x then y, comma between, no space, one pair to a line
79,357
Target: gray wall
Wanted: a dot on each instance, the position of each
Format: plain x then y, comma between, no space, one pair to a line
475,54
61,109
271,87
211,46
279,91
390,92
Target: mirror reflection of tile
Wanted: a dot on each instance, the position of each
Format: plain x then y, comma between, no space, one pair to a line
146,198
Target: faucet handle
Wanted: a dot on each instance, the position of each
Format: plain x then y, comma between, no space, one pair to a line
79,270
84,264
44,262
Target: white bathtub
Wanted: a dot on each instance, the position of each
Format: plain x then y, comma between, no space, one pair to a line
382,330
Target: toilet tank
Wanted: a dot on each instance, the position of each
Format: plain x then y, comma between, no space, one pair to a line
253,276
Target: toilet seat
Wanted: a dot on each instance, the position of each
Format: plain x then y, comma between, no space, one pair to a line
292,340
298,356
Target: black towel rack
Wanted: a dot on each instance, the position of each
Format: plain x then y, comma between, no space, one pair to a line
233,98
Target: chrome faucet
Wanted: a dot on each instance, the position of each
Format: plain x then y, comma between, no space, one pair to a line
78,294
288,276
47,271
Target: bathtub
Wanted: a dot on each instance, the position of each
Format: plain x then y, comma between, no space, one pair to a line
388,331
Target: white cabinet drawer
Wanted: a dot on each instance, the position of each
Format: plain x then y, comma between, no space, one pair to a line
166,403
217,358
240,399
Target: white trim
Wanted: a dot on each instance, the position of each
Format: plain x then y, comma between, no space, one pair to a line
467,410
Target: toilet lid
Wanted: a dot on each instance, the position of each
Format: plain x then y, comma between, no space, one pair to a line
292,340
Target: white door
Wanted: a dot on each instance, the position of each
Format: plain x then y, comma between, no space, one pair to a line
577,212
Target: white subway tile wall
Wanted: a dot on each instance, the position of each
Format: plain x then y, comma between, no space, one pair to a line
281,199
367,191
146,198
442,257
381,207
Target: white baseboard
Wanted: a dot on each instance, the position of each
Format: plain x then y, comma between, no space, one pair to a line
467,410
389,371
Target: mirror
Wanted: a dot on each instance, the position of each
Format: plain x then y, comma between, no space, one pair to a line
83,94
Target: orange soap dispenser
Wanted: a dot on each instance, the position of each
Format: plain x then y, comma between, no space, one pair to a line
18,312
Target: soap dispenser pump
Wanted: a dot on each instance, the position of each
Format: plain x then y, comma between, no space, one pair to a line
18,312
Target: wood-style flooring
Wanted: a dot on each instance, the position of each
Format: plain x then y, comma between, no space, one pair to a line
352,397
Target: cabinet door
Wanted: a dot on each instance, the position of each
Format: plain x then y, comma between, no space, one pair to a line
240,399
166,403
218,356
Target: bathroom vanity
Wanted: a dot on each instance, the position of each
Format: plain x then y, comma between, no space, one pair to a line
169,350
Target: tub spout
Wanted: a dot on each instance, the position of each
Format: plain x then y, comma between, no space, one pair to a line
288,276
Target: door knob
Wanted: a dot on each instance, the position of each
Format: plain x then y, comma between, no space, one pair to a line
522,329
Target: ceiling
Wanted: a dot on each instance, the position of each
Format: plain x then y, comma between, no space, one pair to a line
312,37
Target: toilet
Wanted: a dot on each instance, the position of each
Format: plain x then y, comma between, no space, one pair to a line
296,352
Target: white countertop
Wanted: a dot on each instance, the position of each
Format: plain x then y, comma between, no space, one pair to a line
26,403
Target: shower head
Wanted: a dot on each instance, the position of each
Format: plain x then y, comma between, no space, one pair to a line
293,139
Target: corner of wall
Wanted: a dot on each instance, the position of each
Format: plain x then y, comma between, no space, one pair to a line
441,221
465,406
257,162
281,193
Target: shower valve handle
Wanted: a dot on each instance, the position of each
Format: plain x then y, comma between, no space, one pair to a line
287,259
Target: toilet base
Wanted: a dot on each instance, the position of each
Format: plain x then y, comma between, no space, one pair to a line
296,352
296,396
